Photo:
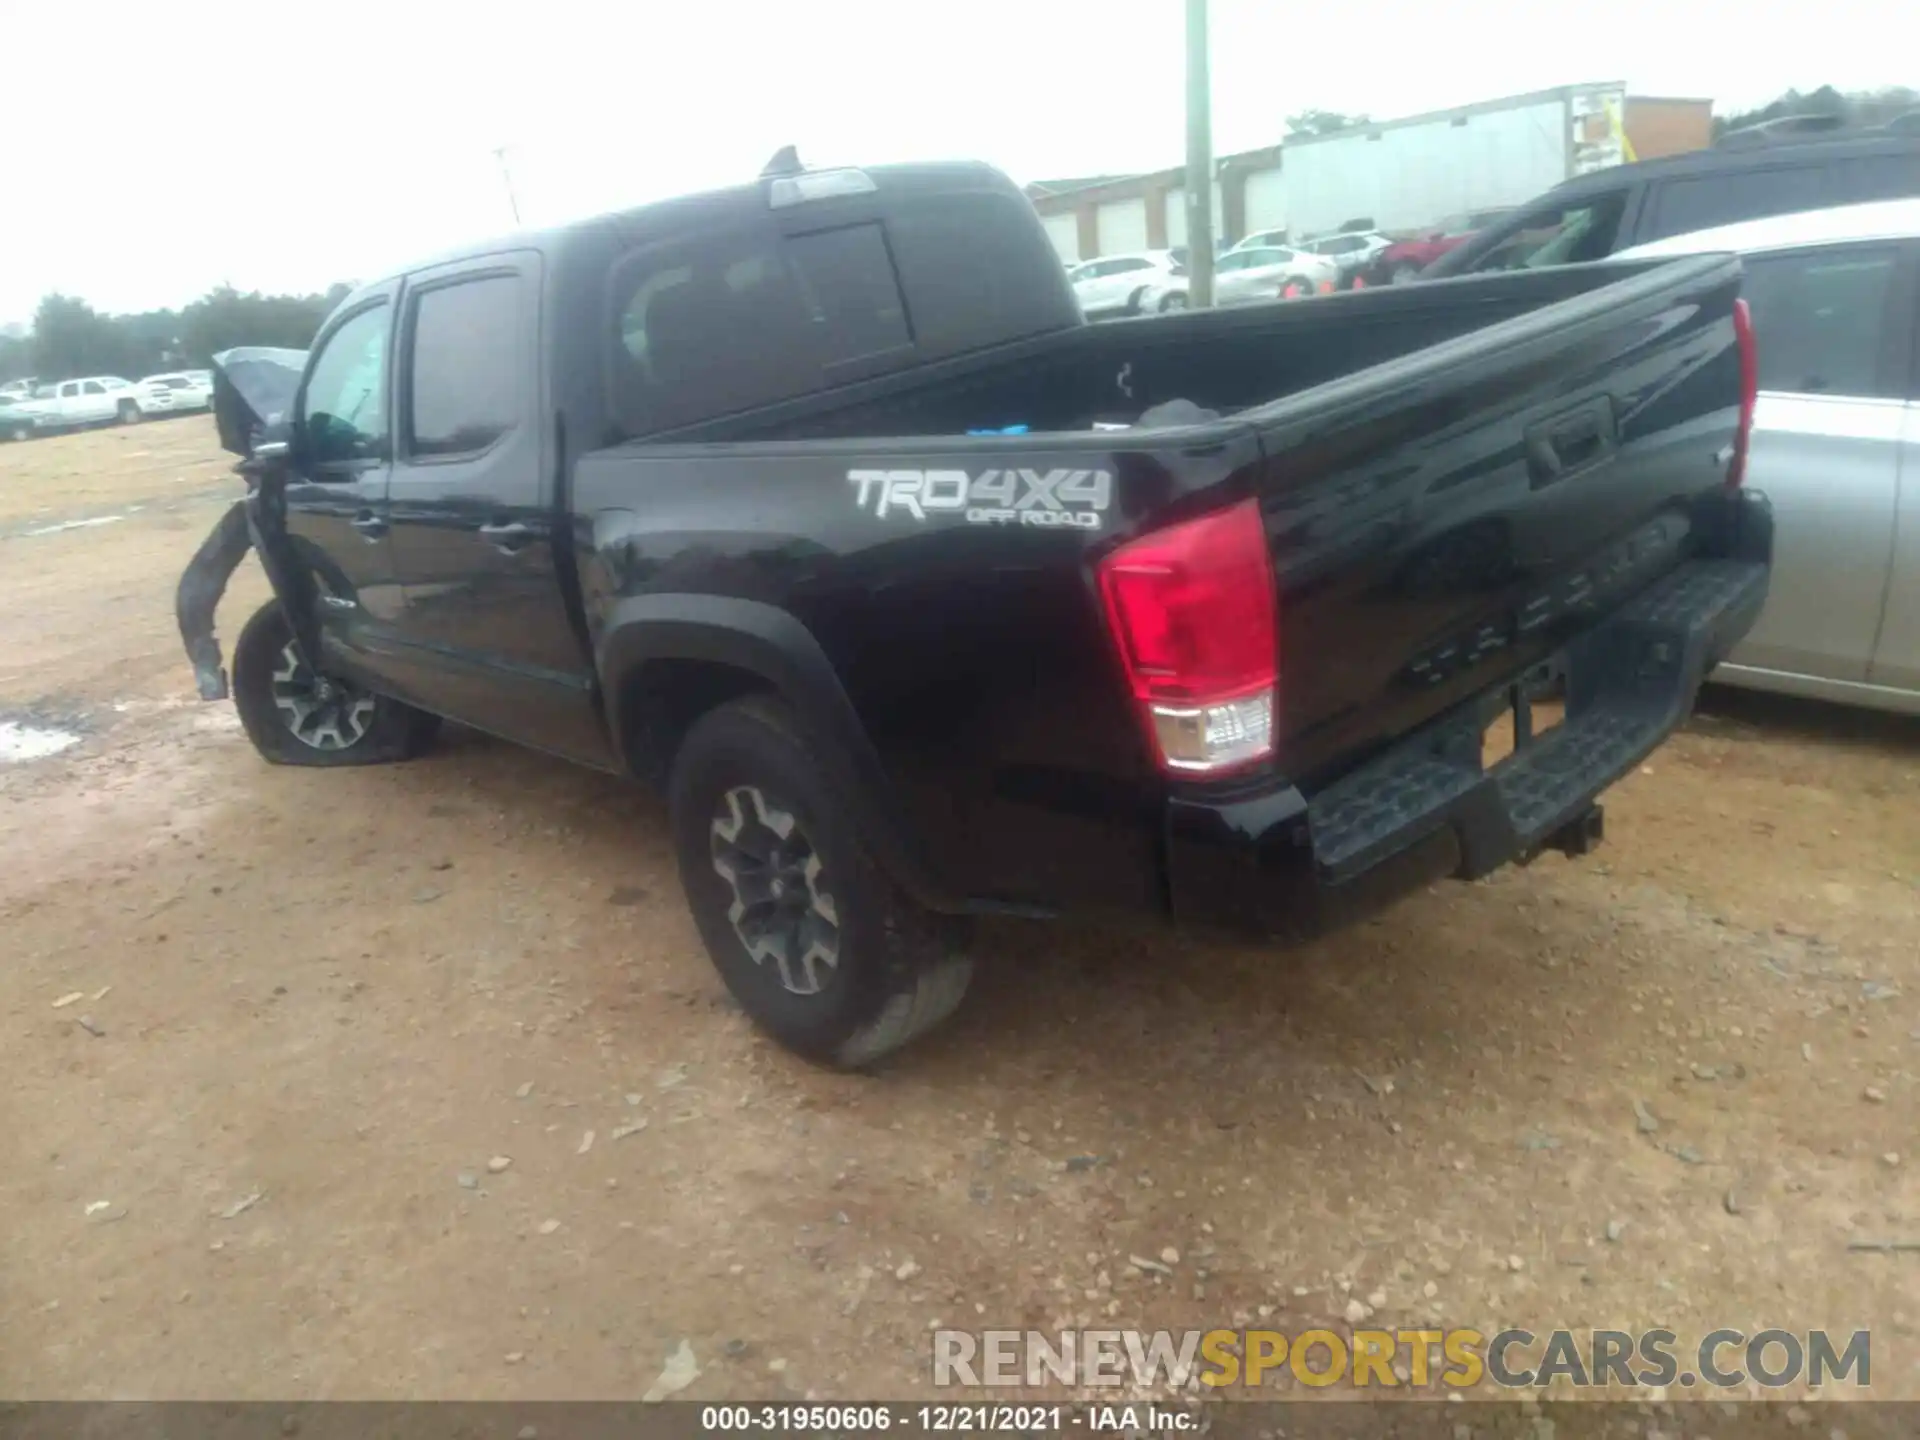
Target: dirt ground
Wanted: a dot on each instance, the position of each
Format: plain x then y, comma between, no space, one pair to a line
314,1005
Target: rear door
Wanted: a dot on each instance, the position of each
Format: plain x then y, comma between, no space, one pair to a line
1230,276
484,628
1826,449
1896,656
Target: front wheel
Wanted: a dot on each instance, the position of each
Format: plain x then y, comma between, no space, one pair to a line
820,947
1404,274
1173,301
18,433
296,717
127,412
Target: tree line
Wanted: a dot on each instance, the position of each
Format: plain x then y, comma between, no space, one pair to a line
69,337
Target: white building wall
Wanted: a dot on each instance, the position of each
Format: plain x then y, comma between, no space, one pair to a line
1176,203
1407,176
1064,232
1122,226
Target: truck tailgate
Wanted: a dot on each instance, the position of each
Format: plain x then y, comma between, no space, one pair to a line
1444,519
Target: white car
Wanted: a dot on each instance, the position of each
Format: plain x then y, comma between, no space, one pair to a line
89,400
1352,251
176,391
1245,277
1141,284
1836,447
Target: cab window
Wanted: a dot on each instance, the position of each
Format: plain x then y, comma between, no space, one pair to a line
344,408
731,321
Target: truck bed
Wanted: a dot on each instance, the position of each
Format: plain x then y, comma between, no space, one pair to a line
1225,360
1456,480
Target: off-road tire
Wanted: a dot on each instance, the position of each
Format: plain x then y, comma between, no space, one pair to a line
389,731
898,969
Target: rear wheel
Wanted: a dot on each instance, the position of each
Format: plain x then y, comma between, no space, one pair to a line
17,433
1173,301
1298,287
294,716
820,947
1402,274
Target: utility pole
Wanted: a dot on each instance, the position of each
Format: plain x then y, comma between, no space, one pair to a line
500,154
1199,160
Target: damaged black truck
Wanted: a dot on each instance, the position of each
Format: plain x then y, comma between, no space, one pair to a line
815,503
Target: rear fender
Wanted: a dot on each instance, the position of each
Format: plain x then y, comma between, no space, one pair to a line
773,646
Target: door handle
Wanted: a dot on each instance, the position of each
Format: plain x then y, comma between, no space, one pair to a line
370,525
507,536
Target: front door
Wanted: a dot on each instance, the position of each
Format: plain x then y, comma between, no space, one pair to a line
1826,450
96,403
336,498
488,636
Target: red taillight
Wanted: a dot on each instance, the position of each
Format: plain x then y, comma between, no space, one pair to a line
1192,609
1749,391
1359,282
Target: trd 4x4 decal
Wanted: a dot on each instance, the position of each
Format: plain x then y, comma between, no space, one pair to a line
1066,499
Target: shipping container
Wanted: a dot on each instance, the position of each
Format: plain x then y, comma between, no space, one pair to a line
1407,174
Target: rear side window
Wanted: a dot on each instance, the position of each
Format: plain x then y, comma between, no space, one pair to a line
1820,317
1704,201
464,375
729,322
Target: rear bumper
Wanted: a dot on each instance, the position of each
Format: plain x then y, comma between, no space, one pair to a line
1280,863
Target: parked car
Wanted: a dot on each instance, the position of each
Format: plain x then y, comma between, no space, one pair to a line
1351,251
90,400
1242,277
1130,284
1835,296
1779,173
175,392
1211,636
18,420
1403,260
21,389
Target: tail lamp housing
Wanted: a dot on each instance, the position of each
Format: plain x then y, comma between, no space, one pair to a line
1749,352
1194,614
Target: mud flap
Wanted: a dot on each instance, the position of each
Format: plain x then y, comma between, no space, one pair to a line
198,595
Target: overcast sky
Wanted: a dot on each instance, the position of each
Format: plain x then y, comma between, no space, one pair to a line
153,151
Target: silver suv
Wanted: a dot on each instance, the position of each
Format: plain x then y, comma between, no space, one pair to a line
1835,299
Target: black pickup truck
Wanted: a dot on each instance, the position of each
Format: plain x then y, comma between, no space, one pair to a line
815,503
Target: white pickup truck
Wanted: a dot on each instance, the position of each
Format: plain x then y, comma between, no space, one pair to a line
104,399
90,400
